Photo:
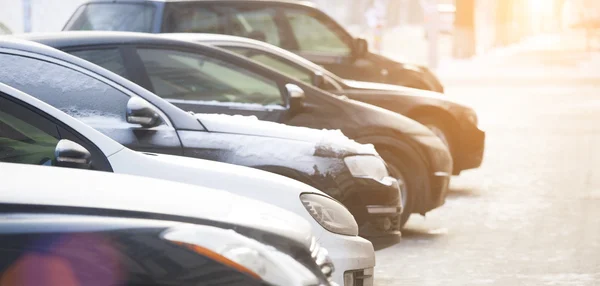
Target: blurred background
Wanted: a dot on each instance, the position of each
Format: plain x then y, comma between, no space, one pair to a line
400,28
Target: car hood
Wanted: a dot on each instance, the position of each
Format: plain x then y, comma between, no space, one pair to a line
98,190
381,89
398,89
326,142
371,115
256,185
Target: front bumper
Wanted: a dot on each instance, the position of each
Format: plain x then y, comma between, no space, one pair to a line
469,150
376,205
350,254
440,171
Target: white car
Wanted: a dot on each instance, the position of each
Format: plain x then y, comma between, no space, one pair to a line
56,192
332,224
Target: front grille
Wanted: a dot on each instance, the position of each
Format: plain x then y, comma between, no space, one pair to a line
321,258
359,277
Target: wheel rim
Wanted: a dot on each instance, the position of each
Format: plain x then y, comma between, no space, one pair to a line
439,133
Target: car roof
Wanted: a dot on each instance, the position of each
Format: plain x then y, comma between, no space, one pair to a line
107,145
288,2
26,43
65,39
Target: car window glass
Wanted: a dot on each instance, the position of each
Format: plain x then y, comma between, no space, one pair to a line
75,93
114,17
258,24
109,59
281,65
21,141
315,35
182,76
189,18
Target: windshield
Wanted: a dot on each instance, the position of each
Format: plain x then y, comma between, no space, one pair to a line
113,17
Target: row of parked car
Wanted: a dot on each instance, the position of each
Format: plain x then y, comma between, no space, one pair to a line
324,158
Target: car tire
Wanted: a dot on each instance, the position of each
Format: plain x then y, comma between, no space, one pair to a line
411,174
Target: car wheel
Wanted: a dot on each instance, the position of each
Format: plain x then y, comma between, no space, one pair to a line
439,128
409,177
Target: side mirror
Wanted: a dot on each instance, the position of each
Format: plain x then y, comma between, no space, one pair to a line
361,47
141,112
69,154
318,80
296,96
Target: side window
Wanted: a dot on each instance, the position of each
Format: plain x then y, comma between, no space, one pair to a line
133,17
189,18
182,76
77,94
281,65
25,137
317,35
259,24
109,59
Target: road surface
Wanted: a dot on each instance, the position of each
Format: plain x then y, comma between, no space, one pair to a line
531,214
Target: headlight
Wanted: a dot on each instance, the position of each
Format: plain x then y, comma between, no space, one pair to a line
330,214
244,254
367,167
471,116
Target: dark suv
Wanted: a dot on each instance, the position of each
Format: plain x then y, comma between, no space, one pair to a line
292,25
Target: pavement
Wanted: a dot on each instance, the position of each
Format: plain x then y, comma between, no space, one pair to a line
531,214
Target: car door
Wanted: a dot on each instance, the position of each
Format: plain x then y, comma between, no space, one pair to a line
205,84
29,136
87,97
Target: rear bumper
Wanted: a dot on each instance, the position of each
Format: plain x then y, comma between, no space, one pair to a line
469,151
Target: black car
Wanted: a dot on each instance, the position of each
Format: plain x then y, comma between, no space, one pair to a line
97,226
69,250
293,25
353,174
454,123
204,79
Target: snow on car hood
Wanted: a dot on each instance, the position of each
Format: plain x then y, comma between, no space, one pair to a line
332,142
99,190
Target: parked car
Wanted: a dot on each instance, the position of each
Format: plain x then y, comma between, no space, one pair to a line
56,201
455,124
352,173
63,141
91,250
296,26
204,79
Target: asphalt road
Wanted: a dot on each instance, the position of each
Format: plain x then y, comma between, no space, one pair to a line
531,214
